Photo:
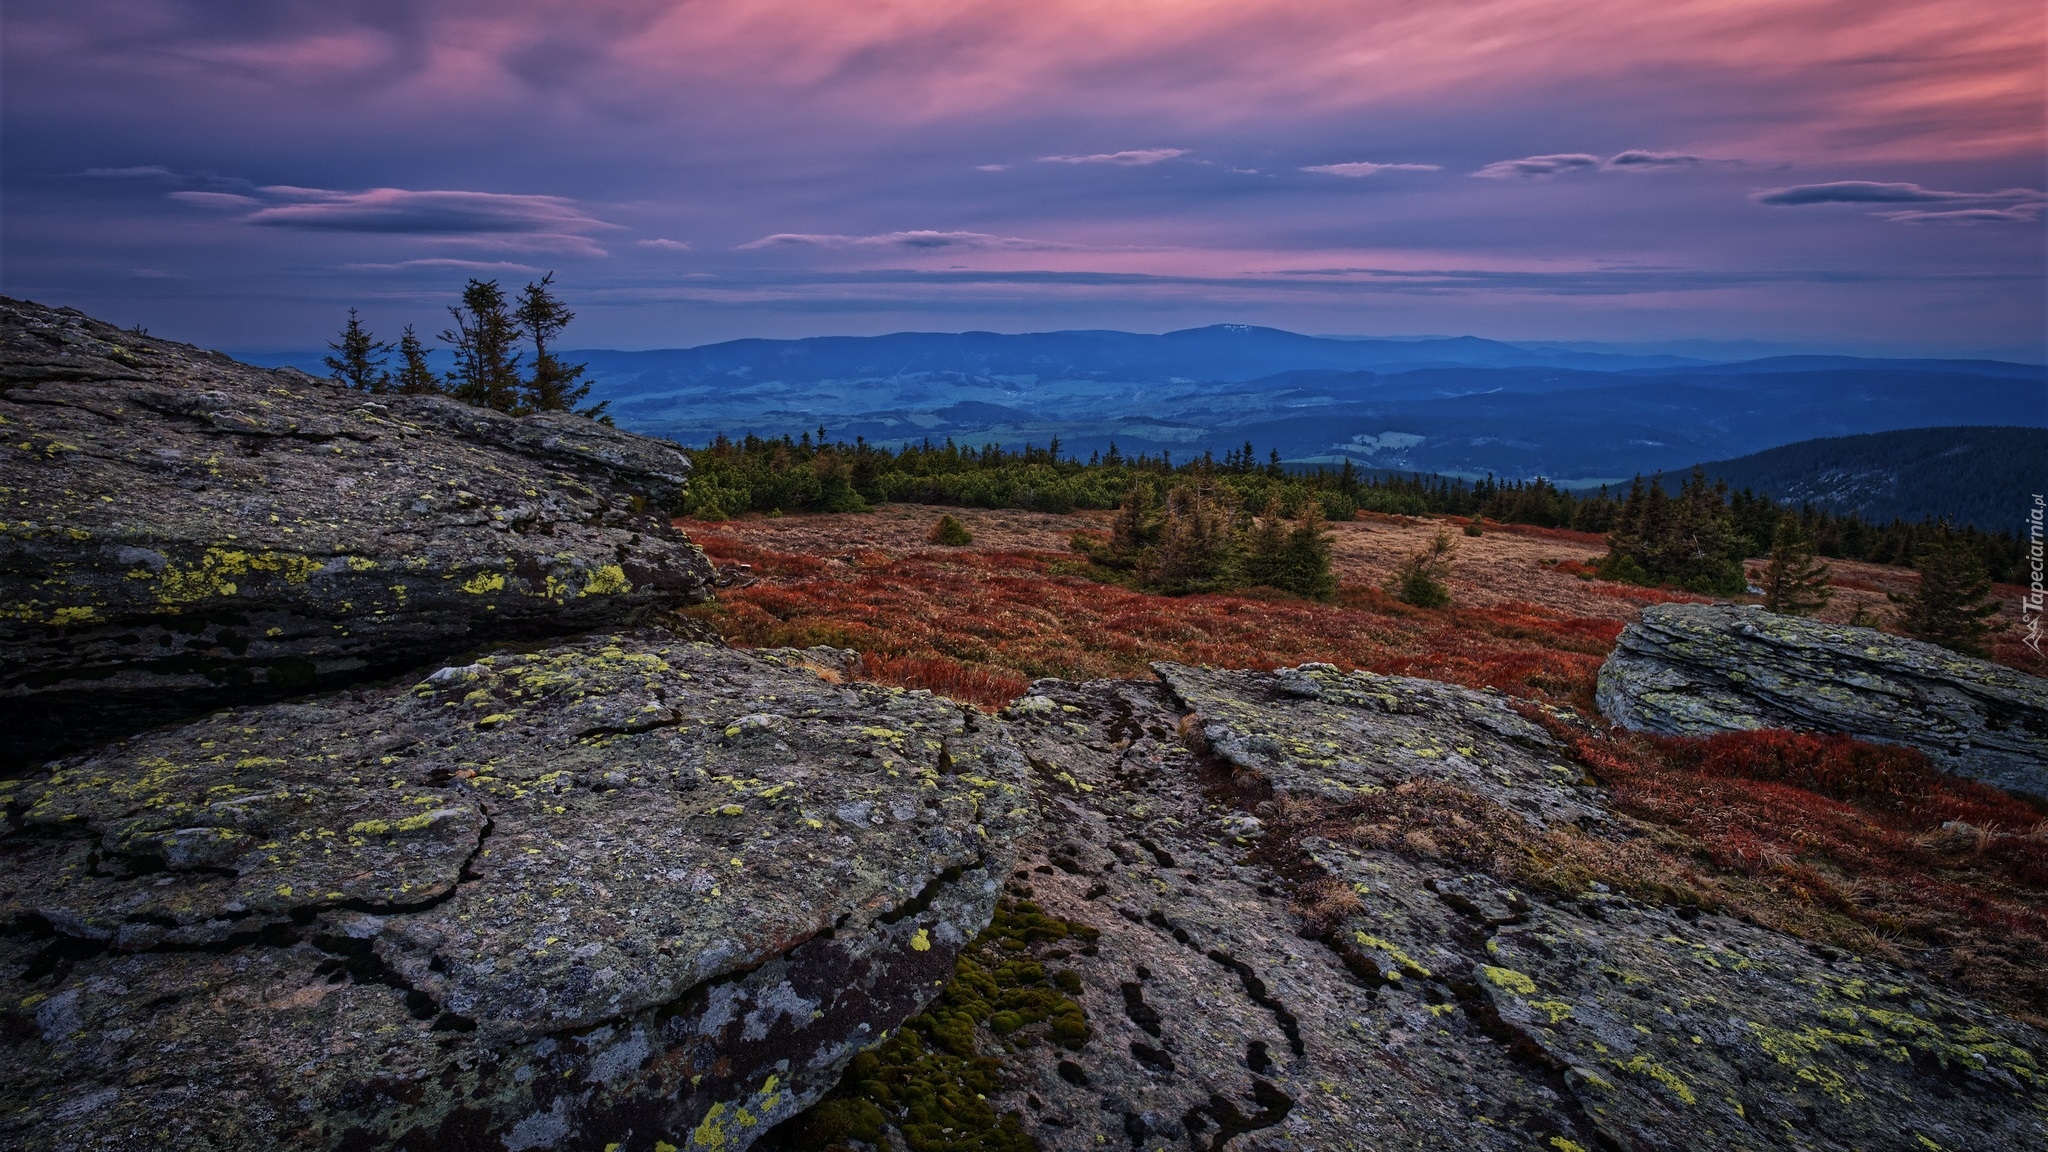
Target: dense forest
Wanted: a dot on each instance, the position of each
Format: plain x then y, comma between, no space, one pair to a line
1973,476
815,474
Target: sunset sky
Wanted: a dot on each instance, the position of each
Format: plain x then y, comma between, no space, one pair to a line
1841,174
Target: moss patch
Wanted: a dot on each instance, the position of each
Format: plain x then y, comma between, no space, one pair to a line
931,1080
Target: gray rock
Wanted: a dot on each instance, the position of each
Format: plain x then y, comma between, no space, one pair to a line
1427,1006
595,893
1695,670
181,531
1317,732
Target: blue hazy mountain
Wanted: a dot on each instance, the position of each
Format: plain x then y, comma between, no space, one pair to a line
1456,405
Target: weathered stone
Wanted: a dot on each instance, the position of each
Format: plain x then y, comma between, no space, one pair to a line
1427,1006
1695,670
1314,732
622,891
179,531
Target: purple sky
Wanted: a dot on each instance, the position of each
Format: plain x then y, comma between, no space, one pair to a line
1846,174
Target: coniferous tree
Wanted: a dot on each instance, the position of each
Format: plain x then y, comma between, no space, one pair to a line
359,358
1266,547
554,386
1794,583
1133,529
1690,540
1305,558
1194,550
1951,605
415,377
1421,579
486,367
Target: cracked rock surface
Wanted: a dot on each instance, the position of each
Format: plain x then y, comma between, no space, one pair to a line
1697,669
1437,1007
179,531
621,891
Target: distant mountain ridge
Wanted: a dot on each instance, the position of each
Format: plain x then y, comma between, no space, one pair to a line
1460,406
1985,477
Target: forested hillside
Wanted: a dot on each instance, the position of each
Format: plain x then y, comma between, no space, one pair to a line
1978,476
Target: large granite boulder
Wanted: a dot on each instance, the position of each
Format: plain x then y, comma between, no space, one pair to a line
1257,976
182,531
627,892
1697,669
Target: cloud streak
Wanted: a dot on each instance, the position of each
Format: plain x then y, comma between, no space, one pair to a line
1538,167
1133,158
918,240
1558,163
1640,160
1873,192
1949,209
1361,168
476,219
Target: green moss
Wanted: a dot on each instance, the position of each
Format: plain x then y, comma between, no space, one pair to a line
931,1079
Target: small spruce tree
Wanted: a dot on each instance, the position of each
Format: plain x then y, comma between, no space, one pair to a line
415,377
1421,579
951,533
1266,548
359,357
1794,583
1305,558
1951,606
486,368
1194,549
553,386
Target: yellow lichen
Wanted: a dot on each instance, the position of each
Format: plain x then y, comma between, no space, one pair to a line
1407,962
1508,980
922,942
1644,1066
608,580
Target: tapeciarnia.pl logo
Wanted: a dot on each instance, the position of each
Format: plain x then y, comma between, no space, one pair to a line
2031,604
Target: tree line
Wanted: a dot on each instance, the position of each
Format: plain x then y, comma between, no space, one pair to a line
486,339
812,473
1205,524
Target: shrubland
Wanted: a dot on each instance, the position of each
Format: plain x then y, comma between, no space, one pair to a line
1855,846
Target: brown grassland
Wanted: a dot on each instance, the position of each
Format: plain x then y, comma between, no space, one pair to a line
1863,847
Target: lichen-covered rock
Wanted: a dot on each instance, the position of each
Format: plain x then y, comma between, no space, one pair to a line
1217,1022
179,531
1695,670
624,892
1257,979
1311,731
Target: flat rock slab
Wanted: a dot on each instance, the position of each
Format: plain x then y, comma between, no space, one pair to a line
623,891
1314,731
179,531
1696,670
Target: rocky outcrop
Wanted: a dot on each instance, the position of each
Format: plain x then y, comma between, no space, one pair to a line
1694,670
1251,987
626,892
182,531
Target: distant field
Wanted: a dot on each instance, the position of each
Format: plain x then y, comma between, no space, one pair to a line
1015,605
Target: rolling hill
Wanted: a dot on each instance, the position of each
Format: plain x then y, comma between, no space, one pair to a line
1985,477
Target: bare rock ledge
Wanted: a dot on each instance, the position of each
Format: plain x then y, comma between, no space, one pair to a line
1697,669
626,892
180,531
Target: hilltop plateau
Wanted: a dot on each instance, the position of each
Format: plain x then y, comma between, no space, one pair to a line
592,827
